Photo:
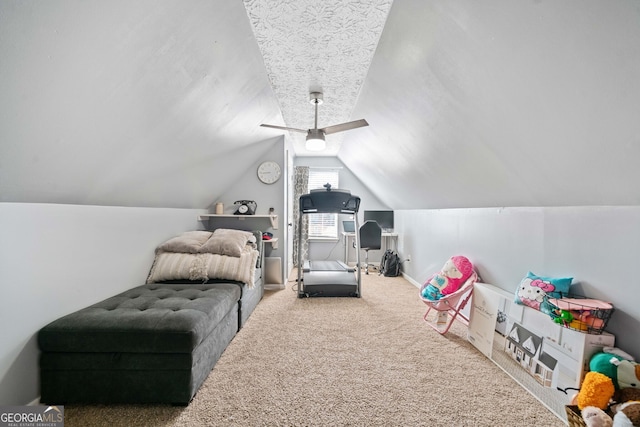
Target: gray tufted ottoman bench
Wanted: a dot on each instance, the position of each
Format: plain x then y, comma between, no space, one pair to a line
151,344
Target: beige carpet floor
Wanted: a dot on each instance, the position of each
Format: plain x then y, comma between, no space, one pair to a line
367,361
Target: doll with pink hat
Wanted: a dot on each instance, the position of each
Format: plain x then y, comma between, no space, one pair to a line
455,272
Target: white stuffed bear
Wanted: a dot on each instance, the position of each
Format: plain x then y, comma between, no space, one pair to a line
627,415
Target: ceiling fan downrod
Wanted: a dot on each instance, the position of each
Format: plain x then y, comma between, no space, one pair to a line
316,99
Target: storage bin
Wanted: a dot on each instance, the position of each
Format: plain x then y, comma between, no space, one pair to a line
581,314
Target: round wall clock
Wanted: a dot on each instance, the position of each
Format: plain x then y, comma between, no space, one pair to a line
269,172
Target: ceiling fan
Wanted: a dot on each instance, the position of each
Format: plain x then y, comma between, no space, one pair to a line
315,137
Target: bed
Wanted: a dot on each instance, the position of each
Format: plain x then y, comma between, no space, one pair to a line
156,343
211,257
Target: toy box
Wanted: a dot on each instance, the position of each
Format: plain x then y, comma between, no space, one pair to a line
544,357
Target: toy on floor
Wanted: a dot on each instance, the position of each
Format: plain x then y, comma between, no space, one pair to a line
448,292
454,273
628,395
628,373
596,390
623,375
626,415
596,417
605,362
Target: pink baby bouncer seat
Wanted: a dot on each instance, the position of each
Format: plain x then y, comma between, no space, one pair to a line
449,307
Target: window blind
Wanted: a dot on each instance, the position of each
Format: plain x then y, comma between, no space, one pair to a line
325,225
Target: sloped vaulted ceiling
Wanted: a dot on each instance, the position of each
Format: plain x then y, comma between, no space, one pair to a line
502,103
470,103
321,46
130,103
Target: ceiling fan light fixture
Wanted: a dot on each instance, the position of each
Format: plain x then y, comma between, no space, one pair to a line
315,137
315,140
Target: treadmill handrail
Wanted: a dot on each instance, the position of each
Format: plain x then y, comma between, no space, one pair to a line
329,201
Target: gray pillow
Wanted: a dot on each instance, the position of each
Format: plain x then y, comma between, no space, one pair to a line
227,242
188,242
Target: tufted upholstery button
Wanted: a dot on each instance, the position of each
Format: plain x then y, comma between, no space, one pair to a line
140,316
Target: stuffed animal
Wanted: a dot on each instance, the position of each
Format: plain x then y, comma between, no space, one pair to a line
604,363
627,415
618,352
624,374
596,417
628,394
596,390
455,272
628,373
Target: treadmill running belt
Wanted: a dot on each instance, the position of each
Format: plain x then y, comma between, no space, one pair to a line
327,266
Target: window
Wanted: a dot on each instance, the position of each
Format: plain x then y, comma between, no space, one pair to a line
324,225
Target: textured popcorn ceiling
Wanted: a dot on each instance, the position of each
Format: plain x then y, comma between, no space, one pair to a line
311,45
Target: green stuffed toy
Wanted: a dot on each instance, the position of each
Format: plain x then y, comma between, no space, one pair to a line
606,362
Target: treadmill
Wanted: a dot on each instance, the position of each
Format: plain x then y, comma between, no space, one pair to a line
329,278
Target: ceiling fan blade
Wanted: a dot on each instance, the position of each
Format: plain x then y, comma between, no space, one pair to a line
285,128
345,126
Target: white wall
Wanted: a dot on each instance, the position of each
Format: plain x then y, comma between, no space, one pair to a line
56,259
247,186
598,246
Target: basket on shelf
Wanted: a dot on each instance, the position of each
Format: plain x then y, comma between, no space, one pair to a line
574,418
581,313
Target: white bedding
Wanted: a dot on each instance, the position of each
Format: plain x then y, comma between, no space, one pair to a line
186,258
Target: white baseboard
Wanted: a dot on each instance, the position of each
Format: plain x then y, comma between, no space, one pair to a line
410,280
35,402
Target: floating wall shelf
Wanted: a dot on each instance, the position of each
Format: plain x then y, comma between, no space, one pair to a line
272,218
